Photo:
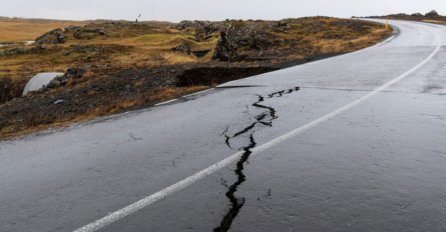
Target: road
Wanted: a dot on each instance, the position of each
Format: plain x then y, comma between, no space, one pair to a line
350,143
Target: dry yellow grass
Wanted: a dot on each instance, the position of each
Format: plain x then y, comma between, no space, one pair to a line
434,21
16,30
335,46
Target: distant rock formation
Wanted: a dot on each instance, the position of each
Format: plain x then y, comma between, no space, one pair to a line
84,33
56,36
432,14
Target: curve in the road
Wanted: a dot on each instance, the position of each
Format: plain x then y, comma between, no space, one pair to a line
132,208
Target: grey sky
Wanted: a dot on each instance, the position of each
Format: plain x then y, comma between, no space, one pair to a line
176,10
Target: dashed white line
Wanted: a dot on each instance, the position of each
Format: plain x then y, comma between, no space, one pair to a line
130,209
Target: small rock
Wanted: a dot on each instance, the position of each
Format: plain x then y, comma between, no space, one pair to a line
74,73
184,48
60,101
53,84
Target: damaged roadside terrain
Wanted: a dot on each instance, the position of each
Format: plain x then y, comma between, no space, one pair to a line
121,66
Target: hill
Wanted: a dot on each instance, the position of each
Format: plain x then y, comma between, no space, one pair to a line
429,17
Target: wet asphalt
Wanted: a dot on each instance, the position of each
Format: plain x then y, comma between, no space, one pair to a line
379,166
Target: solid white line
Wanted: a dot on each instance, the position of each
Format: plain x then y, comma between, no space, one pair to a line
166,102
185,96
387,40
197,93
227,83
113,217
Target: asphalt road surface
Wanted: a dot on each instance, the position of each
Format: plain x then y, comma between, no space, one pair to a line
351,143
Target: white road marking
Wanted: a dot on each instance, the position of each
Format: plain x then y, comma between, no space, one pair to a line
130,209
166,102
197,93
225,84
189,95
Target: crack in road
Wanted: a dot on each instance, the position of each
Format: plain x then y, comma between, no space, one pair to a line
265,118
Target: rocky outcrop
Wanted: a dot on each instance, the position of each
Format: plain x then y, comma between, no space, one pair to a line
56,36
262,40
13,51
85,33
204,29
59,36
238,36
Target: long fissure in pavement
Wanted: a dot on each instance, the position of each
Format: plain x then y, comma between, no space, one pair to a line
265,118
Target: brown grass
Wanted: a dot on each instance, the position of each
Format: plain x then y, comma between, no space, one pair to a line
336,46
15,30
434,21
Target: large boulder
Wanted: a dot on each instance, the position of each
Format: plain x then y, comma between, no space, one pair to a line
56,36
239,36
39,82
52,80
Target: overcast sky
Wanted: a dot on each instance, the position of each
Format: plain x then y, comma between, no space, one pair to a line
176,10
